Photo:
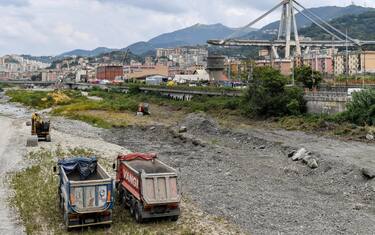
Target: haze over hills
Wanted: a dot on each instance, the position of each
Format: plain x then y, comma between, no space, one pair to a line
81,52
198,34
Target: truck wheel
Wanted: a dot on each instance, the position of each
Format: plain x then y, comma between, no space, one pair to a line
132,207
174,218
66,222
61,203
138,213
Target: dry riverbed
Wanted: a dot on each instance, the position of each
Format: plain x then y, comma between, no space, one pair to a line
243,175
34,185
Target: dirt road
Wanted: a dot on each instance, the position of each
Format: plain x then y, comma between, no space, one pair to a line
12,142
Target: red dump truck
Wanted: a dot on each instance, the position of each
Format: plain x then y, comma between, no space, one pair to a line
147,186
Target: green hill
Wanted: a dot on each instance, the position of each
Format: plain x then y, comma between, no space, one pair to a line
360,26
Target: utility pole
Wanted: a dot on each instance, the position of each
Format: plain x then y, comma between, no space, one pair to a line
347,58
293,70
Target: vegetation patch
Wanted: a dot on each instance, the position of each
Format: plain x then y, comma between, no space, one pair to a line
331,125
44,99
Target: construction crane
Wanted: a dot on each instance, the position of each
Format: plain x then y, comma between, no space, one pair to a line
288,25
125,56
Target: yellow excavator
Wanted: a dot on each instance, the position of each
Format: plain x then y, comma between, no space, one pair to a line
40,130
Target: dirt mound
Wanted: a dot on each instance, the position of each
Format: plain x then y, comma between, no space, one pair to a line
200,123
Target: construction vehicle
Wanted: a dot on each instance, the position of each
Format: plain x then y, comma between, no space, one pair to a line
40,130
85,192
147,186
143,109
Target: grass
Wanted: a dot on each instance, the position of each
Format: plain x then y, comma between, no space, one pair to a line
43,99
323,124
5,85
198,103
36,200
117,109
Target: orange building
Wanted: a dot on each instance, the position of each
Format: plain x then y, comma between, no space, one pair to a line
109,72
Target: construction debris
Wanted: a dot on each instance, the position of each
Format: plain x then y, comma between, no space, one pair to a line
368,173
299,154
312,163
305,156
182,129
370,137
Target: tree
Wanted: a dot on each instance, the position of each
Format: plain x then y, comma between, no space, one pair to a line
308,77
267,95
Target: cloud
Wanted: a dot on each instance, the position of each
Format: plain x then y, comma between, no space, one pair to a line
50,27
17,3
165,6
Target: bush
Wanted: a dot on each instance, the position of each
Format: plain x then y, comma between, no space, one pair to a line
308,77
267,95
134,89
361,110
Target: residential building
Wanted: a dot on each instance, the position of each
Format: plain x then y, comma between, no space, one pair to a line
347,63
367,62
50,75
283,65
143,71
183,57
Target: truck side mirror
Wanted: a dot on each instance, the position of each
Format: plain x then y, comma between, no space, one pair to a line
114,166
54,169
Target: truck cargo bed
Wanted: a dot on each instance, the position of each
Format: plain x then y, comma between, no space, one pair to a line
150,167
75,176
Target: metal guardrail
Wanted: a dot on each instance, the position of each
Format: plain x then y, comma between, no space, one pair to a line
327,94
232,93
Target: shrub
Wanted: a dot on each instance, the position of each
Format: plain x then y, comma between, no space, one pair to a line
267,95
134,89
361,110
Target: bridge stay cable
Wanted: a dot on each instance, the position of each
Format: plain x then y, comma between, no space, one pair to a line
325,22
317,24
287,25
254,21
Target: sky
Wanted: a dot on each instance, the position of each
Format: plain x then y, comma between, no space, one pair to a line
50,27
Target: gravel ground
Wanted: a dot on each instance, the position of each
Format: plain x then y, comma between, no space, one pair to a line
247,177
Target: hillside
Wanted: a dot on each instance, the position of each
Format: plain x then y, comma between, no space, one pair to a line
327,13
197,34
360,26
86,53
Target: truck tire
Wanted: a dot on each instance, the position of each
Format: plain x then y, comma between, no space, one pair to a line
174,218
61,202
123,199
138,213
132,207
